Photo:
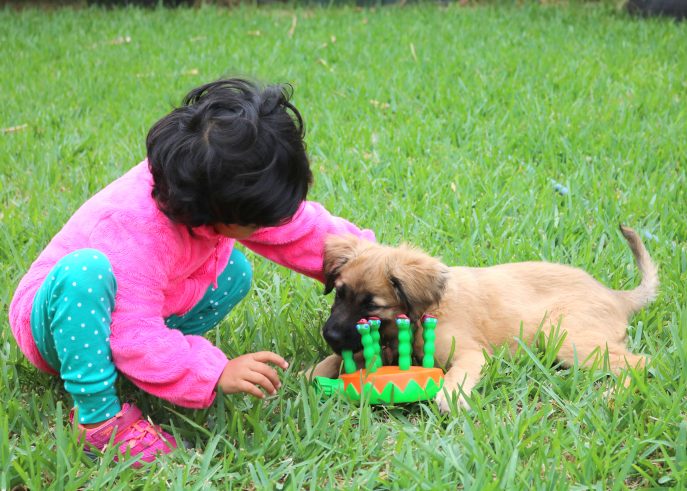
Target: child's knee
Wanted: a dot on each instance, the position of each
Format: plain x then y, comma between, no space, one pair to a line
86,271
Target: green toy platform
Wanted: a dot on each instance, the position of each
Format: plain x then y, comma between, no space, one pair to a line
379,384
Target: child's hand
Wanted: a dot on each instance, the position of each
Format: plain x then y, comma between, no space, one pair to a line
248,372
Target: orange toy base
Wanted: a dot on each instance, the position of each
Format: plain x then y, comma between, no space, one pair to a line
392,374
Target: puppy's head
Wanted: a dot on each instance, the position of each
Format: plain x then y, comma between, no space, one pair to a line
375,280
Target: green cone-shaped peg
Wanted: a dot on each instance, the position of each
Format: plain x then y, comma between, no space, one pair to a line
429,323
375,323
368,345
404,342
349,363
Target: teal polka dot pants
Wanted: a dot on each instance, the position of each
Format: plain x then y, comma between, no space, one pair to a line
71,318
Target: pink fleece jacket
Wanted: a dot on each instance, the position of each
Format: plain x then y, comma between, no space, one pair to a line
161,269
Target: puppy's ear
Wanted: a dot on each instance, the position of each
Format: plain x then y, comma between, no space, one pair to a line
419,280
338,250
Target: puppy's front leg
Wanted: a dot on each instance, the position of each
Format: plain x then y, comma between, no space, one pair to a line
463,374
329,367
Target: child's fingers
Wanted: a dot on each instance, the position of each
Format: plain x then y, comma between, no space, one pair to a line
258,378
268,372
252,389
269,357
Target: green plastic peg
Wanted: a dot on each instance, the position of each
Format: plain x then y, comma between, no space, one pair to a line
328,386
429,323
404,342
375,323
349,363
368,345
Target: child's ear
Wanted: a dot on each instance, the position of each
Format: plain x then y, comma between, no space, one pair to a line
338,250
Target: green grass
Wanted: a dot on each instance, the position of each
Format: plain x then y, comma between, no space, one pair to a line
445,127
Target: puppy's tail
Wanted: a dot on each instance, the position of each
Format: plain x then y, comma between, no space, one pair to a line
647,290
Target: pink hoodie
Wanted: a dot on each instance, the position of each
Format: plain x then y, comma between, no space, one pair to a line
162,269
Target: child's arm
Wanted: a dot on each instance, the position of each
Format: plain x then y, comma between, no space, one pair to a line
299,244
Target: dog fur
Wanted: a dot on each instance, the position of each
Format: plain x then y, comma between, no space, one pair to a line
676,9
478,308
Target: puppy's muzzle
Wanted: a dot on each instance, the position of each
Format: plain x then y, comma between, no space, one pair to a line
340,337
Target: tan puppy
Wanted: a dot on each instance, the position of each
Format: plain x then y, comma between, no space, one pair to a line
478,308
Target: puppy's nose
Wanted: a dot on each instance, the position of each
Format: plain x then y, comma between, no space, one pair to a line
333,337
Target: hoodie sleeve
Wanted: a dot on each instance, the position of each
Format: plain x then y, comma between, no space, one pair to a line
299,244
183,369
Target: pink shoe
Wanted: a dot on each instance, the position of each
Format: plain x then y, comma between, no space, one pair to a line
132,433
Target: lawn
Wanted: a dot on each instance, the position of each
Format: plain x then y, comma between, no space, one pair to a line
481,134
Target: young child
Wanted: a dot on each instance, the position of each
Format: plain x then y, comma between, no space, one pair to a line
148,264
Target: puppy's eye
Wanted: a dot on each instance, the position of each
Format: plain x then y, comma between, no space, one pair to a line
370,303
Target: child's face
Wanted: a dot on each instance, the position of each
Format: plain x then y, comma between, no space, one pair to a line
235,231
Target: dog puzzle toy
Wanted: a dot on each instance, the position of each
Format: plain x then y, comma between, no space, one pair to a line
380,384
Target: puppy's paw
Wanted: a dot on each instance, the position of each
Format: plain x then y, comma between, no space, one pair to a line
442,403
443,400
307,373
329,367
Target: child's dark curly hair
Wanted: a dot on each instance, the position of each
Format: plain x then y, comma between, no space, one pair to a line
232,154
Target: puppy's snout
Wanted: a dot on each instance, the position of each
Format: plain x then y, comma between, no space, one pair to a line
341,339
332,335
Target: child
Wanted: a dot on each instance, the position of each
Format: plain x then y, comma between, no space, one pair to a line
148,264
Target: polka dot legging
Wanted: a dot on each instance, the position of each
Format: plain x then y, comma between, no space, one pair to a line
71,317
